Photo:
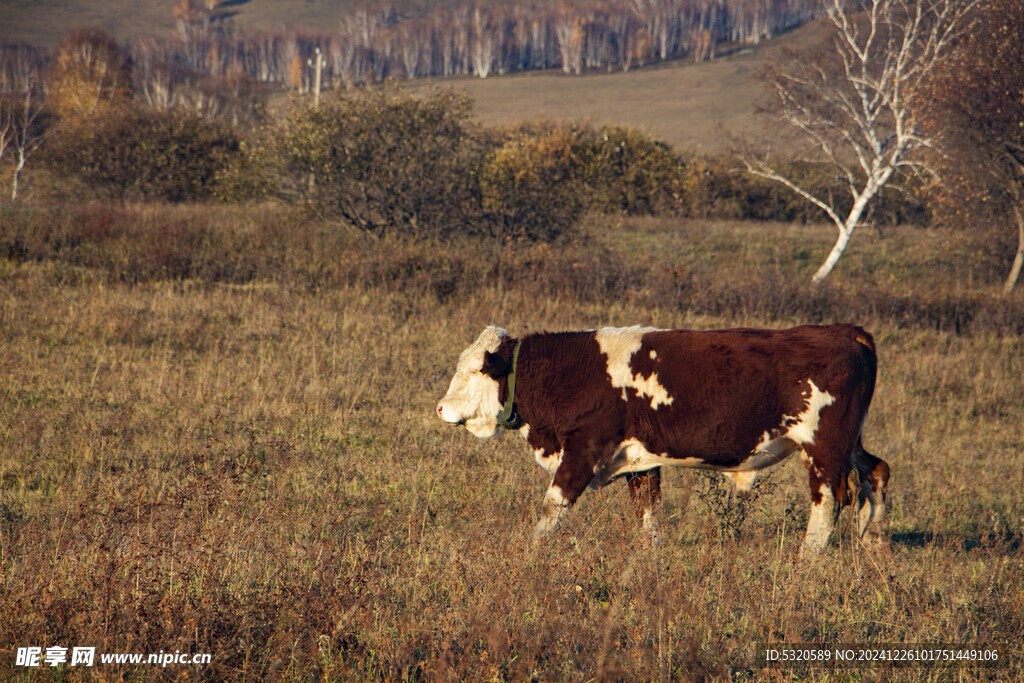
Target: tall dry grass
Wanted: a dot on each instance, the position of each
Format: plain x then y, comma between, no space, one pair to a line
247,463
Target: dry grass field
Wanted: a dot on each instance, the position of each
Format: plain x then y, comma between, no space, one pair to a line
217,435
41,22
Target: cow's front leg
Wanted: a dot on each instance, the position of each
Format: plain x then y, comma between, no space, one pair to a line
574,472
553,508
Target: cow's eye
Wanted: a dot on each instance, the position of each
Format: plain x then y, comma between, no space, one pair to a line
474,372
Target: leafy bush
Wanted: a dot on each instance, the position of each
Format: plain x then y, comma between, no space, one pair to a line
246,175
146,154
614,169
625,171
385,161
529,185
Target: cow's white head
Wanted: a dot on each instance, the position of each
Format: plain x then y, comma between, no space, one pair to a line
473,398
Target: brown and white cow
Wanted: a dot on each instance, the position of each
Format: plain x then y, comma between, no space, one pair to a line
599,404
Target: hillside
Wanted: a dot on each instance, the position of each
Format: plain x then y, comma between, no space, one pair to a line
42,23
688,105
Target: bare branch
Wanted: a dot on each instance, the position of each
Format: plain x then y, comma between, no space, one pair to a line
852,98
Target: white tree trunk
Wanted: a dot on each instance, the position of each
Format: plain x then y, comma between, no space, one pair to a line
18,165
855,109
1018,259
833,256
871,188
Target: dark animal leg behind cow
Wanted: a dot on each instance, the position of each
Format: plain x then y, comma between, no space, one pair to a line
873,474
645,491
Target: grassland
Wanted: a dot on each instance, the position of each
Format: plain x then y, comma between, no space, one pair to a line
42,23
218,435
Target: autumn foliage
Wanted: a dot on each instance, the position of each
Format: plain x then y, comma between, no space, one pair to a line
90,76
975,103
529,185
146,154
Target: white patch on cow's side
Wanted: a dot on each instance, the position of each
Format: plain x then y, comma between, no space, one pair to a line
802,431
633,456
743,481
795,430
654,355
819,526
619,344
554,506
472,397
549,462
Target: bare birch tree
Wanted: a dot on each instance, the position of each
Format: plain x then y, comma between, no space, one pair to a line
7,132
484,44
27,133
852,98
569,30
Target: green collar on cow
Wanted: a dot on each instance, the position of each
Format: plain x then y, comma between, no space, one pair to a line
509,416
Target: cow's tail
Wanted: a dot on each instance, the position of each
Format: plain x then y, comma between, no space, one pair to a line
863,337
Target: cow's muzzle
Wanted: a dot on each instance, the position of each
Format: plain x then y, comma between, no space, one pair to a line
440,413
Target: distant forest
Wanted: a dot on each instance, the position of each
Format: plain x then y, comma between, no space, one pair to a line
373,44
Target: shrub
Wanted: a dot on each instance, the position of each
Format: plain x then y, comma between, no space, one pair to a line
625,171
613,169
529,186
385,161
145,154
246,174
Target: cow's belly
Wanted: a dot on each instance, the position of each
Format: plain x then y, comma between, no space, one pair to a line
632,457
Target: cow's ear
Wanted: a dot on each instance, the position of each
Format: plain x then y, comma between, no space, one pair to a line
494,365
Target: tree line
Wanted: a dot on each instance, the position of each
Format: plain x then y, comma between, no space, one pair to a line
374,43
474,38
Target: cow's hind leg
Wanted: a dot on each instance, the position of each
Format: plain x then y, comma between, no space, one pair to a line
873,474
645,491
